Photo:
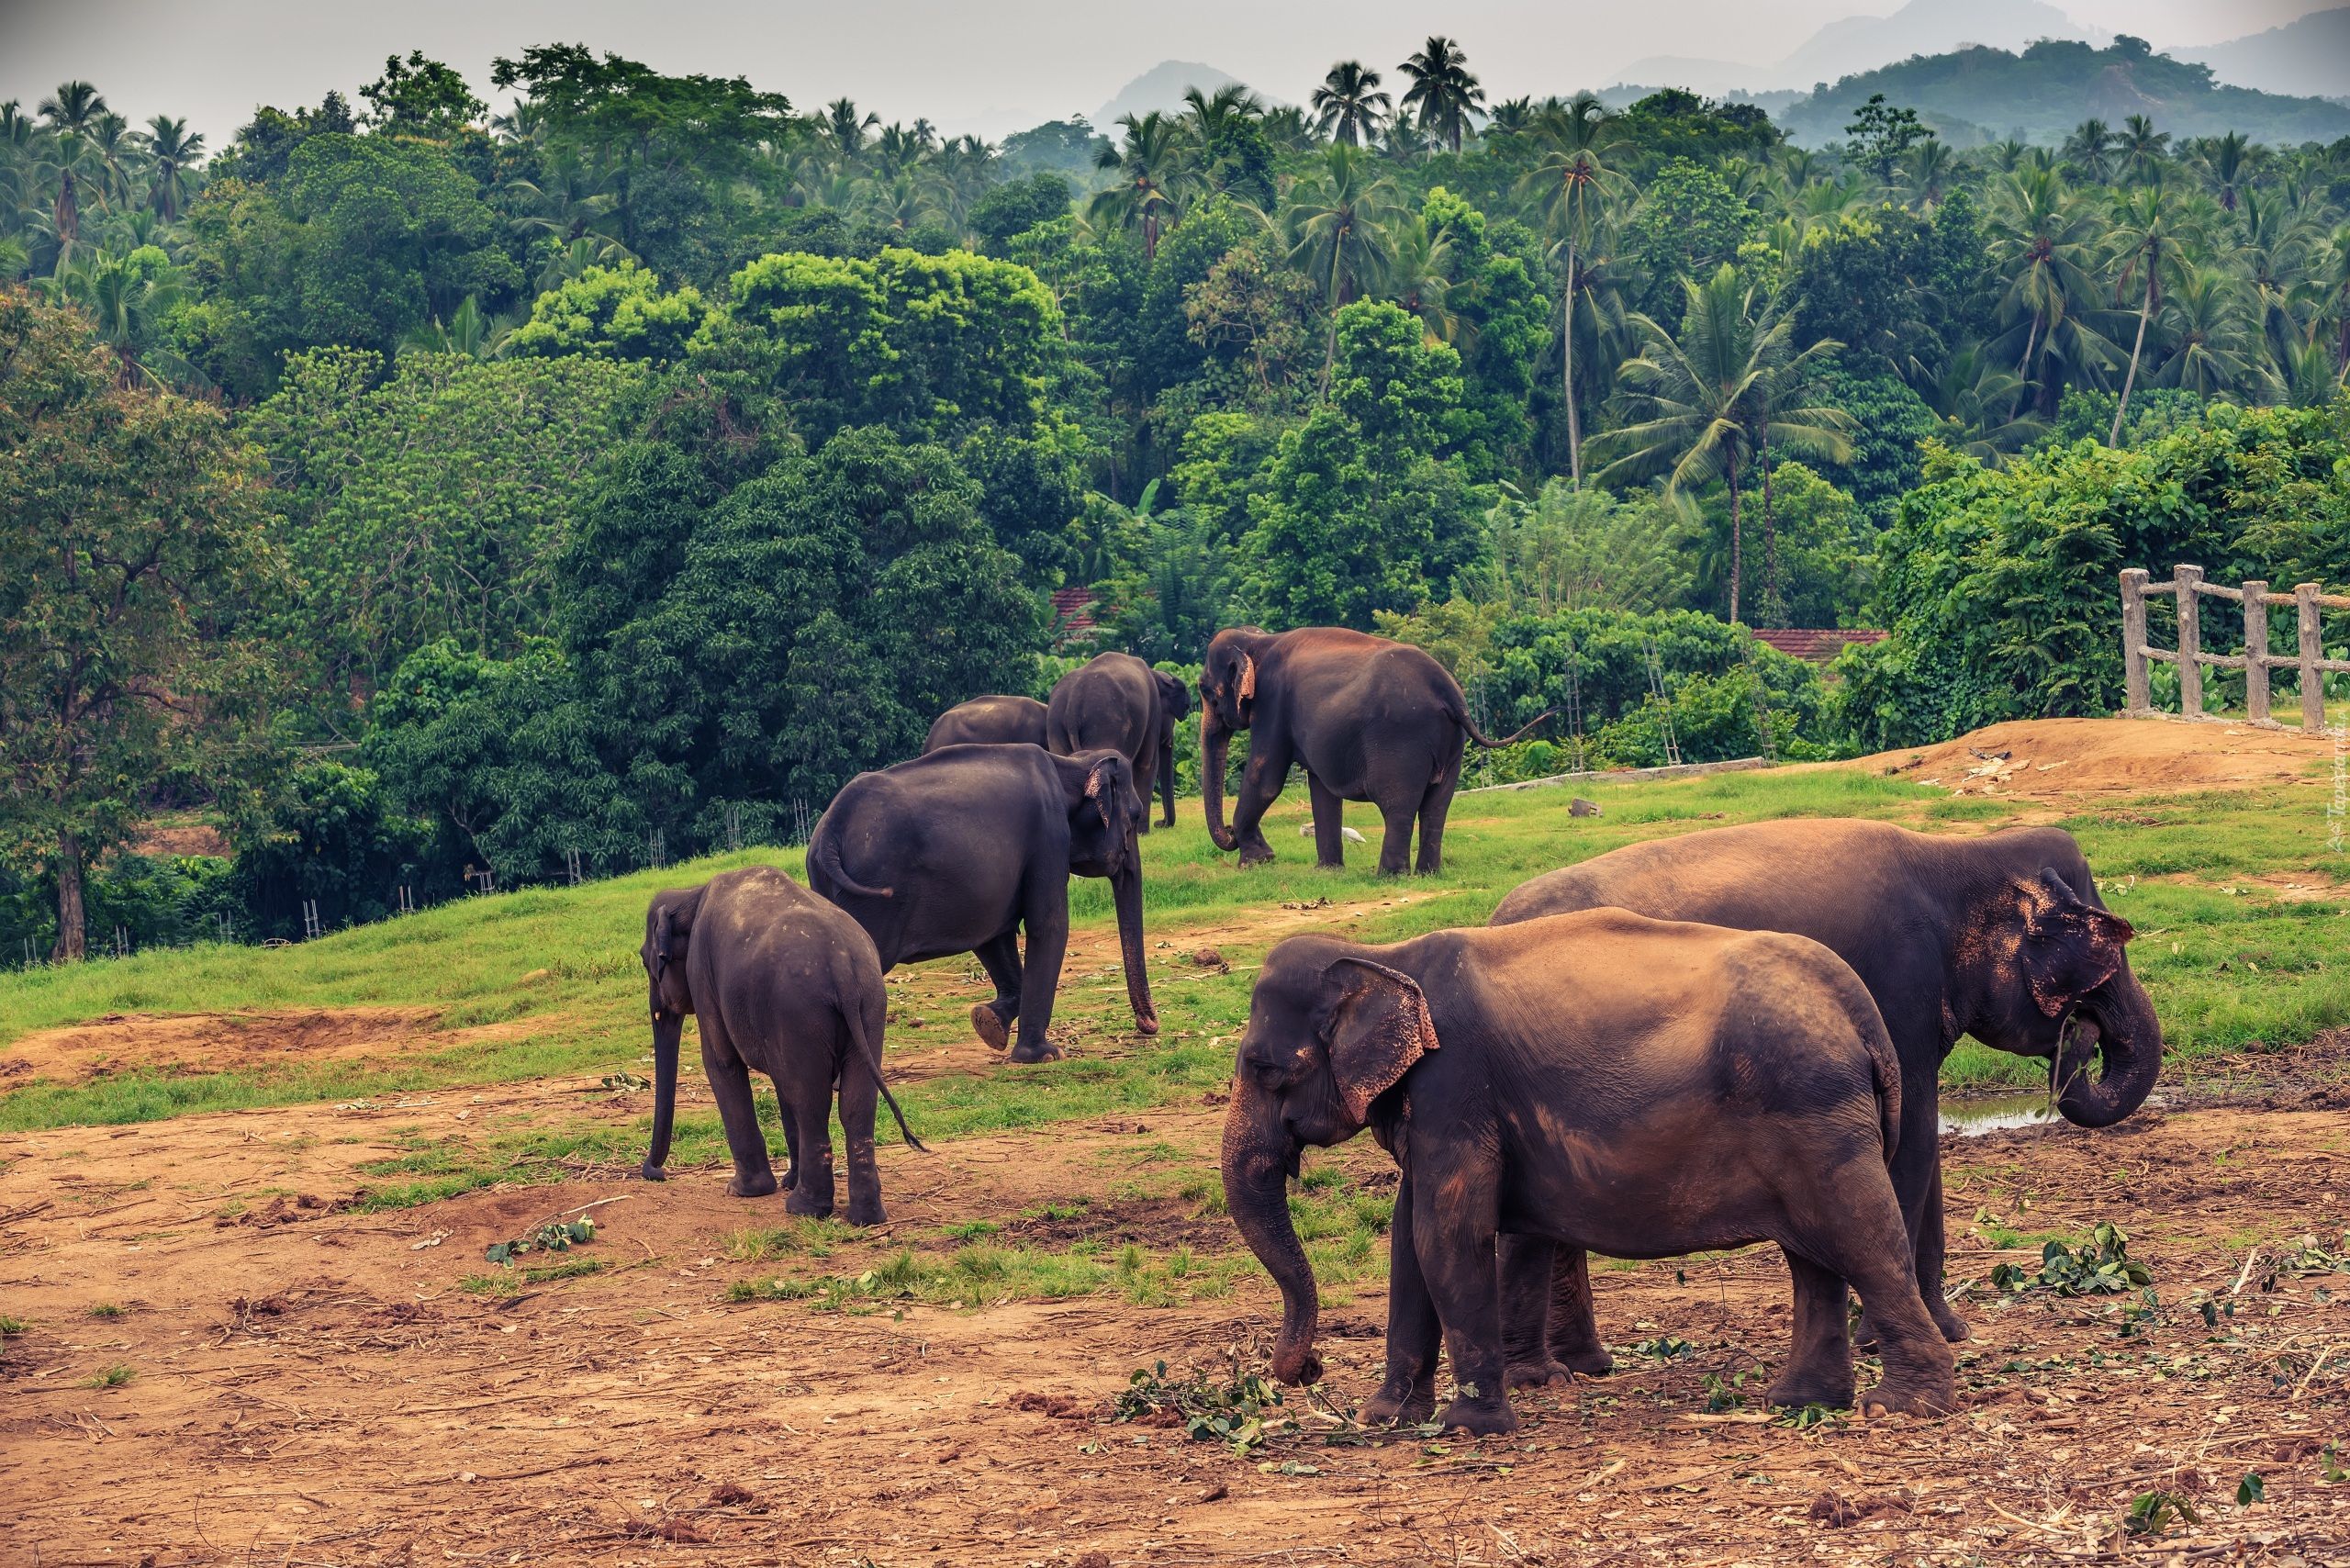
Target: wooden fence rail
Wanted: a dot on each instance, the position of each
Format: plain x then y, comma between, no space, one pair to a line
2188,587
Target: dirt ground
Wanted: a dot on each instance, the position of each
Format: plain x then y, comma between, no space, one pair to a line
304,1382
2084,761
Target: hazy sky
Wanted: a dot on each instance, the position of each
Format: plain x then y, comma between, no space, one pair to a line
992,67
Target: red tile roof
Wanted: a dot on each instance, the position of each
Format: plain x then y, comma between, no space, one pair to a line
1816,643
1072,611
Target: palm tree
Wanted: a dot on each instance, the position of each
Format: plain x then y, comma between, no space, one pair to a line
1348,105
1339,225
2142,148
73,113
1717,398
2226,165
175,149
2334,276
2148,228
1569,183
2045,241
2212,329
1403,143
1929,171
1980,402
1418,276
1286,128
843,129
1512,117
1154,174
1442,90
125,302
2090,150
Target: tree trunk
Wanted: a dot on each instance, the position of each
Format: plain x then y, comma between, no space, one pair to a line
1567,379
1772,602
1737,543
2130,380
72,944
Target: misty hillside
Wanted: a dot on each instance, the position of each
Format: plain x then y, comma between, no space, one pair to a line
1975,96
1161,88
1854,44
2310,57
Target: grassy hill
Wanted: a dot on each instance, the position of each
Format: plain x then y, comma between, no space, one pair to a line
1974,96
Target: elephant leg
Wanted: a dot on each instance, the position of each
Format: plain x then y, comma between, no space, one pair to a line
1414,1334
1453,1228
738,1111
1434,807
1047,923
859,1095
1524,1266
790,1120
807,1121
1396,846
1929,1258
1917,1167
1260,786
1861,1237
1166,775
1146,763
1574,1326
999,956
1329,820
1820,1370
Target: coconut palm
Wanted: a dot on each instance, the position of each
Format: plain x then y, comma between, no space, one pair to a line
125,302
1927,172
2089,150
843,129
1155,175
2226,165
2142,149
2309,376
1569,185
2045,240
1348,105
1717,399
175,149
1340,225
73,113
1403,143
1286,127
1512,117
1443,91
2333,276
1418,275
1980,402
2210,329
2150,225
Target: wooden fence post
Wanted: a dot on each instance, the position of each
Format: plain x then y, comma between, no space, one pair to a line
2312,649
2255,652
2187,579
2136,699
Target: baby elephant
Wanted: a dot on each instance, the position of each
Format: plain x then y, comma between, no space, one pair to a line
1641,1088
784,982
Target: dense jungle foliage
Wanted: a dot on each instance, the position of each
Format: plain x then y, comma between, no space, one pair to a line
421,494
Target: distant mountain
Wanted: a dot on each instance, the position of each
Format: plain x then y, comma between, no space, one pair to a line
2311,57
1863,43
1161,87
1979,94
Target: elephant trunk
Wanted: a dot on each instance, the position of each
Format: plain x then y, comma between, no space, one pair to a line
1215,742
1257,1156
2117,1029
669,1027
1125,888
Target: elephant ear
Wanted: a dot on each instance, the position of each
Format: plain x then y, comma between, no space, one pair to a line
1247,691
2070,947
1096,789
1376,1024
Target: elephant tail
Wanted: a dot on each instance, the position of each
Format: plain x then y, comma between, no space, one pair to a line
864,1034
824,850
1885,1068
1483,739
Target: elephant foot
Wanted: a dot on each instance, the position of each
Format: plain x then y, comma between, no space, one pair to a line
1955,1328
1585,1360
989,1027
1797,1389
1407,1404
1049,1052
1903,1396
1543,1374
652,1172
753,1184
1256,856
1480,1417
861,1212
808,1203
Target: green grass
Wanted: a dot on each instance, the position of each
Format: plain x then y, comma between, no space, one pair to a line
114,1376
11,1326
2227,969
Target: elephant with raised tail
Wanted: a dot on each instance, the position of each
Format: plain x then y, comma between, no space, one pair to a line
964,849
1116,702
784,984
1368,718
1669,1087
2002,938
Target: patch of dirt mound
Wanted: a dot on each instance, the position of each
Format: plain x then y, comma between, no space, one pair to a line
2060,759
215,1041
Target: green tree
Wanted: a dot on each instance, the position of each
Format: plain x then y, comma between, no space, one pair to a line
2149,230
616,312
1687,223
417,96
1443,93
1348,105
130,524
1155,176
174,149
1881,135
1570,185
1339,223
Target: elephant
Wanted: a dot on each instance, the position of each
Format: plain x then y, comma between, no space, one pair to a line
2002,938
988,721
785,984
1367,718
958,851
1553,1079
1116,702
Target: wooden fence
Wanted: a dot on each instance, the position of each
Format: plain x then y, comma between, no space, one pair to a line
2188,587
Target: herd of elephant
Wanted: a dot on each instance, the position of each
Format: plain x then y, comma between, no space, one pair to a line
1701,1042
